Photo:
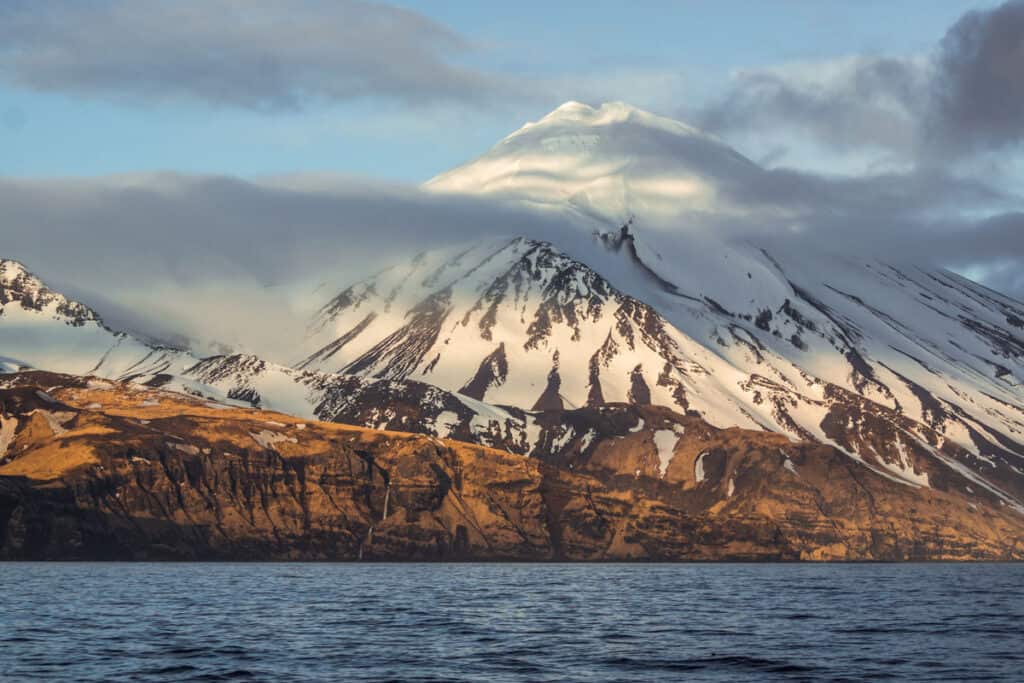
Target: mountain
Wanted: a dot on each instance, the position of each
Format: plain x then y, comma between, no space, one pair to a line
93,469
547,348
43,329
898,366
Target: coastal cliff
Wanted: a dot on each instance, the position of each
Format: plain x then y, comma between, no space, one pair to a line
93,469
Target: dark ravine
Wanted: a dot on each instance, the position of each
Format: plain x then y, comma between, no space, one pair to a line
95,470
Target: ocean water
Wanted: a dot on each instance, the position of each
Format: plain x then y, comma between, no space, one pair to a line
510,622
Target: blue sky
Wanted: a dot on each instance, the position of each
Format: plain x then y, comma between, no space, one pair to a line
667,56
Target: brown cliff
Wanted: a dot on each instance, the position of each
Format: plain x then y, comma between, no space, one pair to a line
91,469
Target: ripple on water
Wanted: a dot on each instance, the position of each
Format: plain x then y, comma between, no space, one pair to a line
490,623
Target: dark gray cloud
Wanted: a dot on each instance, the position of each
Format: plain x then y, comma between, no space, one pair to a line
257,54
967,96
172,226
978,96
921,218
864,101
941,117
918,193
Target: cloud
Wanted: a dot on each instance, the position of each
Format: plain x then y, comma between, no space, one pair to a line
918,217
978,97
246,262
843,104
921,217
964,98
231,260
114,229
930,138
266,55
284,56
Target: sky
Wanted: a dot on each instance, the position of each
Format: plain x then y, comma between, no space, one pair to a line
181,154
668,57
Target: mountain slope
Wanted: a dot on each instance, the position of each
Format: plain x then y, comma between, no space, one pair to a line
894,364
519,324
510,322
43,329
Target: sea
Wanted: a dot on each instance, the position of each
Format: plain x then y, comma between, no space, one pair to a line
511,622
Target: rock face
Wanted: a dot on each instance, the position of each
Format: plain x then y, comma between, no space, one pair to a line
92,469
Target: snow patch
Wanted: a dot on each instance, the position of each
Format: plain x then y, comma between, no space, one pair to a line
445,423
8,425
665,441
904,468
698,468
588,438
55,420
562,440
267,439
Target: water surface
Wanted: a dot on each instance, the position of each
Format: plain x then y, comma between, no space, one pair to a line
515,622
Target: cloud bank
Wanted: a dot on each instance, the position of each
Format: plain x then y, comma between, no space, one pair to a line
266,55
965,98
218,258
245,263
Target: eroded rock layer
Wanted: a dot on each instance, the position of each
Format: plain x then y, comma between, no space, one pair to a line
93,469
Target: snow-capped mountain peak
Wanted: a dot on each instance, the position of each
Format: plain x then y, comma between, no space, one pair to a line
609,113
10,269
18,285
606,163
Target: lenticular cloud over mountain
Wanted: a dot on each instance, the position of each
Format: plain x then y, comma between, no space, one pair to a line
608,163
